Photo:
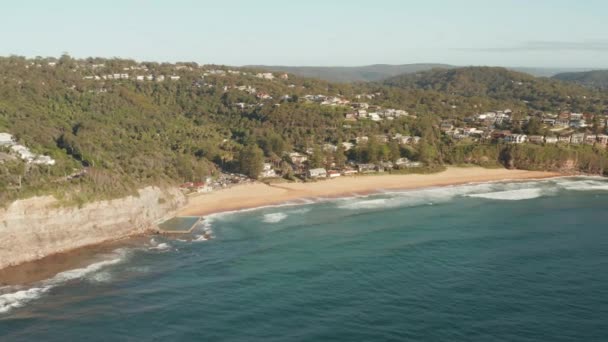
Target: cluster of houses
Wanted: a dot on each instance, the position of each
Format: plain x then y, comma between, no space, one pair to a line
140,78
300,166
8,142
361,168
574,139
482,127
224,180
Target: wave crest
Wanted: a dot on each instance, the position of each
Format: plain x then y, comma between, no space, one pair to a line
20,297
274,217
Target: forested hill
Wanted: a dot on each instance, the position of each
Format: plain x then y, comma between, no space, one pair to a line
503,84
596,79
366,73
111,126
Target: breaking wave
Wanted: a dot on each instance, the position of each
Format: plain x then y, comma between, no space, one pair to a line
16,297
274,217
512,191
511,195
585,185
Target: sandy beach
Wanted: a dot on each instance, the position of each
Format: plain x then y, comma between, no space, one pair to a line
259,194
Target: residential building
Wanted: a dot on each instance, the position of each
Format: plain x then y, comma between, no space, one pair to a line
267,171
317,173
516,138
366,168
297,158
536,139
577,138
551,140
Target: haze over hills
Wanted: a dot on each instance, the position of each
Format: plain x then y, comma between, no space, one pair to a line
378,72
367,73
597,79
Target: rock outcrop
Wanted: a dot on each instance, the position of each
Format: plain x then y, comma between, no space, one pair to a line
33,228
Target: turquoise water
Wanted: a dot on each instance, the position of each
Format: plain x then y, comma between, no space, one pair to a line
491,262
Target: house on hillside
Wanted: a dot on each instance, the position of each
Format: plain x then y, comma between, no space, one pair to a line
577,138
267,171
551,140
590,139
536,139
297,158
516,138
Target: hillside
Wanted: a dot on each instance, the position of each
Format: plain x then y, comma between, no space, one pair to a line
86,129
503,84
366,73
596,79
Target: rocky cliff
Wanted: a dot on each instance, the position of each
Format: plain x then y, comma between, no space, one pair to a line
33,228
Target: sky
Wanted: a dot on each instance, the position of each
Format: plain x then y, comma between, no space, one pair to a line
532,33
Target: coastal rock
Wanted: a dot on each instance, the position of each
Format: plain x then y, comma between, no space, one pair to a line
33,228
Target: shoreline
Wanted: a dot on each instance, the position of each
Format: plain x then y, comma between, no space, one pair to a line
259,195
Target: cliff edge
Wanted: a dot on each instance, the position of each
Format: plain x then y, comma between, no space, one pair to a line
36,227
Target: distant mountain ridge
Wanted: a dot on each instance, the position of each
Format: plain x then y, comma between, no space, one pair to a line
597,79
379,72
368,73
539,93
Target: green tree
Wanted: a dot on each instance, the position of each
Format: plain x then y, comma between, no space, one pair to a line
394,151
339,156
251,161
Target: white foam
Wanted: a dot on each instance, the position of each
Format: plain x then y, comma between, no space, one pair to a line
585,185
20,298
274,217
161,247
199,238
511,195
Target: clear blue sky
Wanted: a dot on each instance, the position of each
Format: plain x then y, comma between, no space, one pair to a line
552,33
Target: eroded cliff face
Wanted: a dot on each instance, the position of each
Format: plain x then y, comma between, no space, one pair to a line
33,228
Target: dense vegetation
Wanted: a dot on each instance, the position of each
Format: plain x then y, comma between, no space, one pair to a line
127,134
509,87
596,79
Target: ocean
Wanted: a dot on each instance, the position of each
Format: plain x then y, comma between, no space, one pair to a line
521,261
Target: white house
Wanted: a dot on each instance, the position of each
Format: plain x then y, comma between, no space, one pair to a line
265,75
174,78
267,171
577,138
297,158
317,173
551,140
516,138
